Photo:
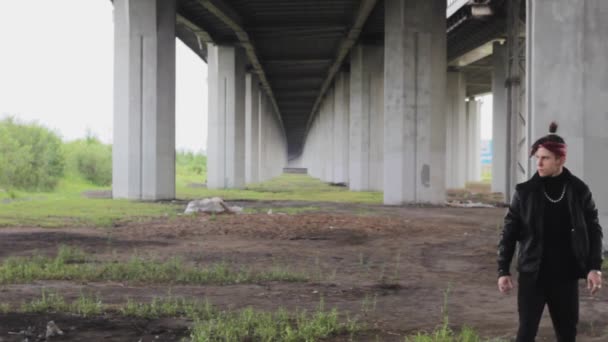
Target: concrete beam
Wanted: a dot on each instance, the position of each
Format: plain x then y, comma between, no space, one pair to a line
229,16
365,9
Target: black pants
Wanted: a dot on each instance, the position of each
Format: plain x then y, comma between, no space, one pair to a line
561,296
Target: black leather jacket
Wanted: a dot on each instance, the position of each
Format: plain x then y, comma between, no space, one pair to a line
524,224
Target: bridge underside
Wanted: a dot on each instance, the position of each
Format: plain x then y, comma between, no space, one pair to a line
298,42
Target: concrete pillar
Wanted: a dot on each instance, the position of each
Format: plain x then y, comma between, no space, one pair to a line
414,101
456,130
252,126
567,66
499,119
226,126
143,158
473,140
366,115
263,133
327,121
340,130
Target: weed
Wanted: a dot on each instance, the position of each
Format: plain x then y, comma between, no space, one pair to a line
136,270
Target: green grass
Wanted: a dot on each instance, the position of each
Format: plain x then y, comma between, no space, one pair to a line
210,324
283,210
444,333
66,207
136,270
287,187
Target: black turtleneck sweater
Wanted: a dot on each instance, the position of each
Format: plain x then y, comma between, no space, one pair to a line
558,260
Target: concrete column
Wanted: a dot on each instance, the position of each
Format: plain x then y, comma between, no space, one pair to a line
252,126
340,131
263,133
473,140
567,62
226,127
456,130
499,119
143,158
414,108
366,113
327,119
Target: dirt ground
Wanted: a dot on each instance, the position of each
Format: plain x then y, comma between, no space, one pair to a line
388,265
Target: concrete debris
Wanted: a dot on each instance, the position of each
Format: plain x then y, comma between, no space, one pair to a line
52,330
211,205
469,204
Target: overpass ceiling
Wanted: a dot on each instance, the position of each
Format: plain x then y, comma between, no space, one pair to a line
297,42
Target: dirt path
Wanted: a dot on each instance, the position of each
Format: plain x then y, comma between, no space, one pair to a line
388,265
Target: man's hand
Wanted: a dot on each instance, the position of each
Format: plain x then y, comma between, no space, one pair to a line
505,284
594,281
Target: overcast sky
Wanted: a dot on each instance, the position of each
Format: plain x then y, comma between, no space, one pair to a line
56,67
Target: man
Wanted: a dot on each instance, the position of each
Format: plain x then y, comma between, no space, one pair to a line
554,219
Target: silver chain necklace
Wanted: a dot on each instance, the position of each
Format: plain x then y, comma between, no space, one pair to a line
555,200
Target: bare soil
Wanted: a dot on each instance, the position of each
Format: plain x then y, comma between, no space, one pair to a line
390,266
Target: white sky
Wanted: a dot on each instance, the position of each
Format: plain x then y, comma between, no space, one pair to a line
56,62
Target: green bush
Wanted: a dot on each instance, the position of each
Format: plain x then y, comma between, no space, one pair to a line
31,157
191,163
90,159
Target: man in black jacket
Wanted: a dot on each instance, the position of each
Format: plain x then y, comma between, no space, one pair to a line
554,219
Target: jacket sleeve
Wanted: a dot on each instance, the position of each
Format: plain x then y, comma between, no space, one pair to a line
594,232
509,236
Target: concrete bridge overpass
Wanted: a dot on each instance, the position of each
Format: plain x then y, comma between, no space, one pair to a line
366,92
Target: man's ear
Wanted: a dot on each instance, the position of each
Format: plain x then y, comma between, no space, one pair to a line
562,160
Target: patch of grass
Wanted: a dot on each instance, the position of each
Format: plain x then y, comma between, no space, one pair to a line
159,307
282,210
287,187
605,265
48,302
4,308
136,270
249,325
211,324
73,211
86,306
444,332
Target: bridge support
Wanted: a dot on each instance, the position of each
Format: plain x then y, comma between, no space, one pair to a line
226,125
456,130
499,120
366,154
340,132
272,142
326,119
567,65
252,128
414,101
143,157
473,140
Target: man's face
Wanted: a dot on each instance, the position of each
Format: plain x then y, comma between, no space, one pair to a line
547,163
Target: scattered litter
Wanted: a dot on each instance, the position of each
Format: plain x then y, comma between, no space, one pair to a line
52,330
468,204
211,205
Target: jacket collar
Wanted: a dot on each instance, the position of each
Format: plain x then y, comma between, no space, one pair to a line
536,180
